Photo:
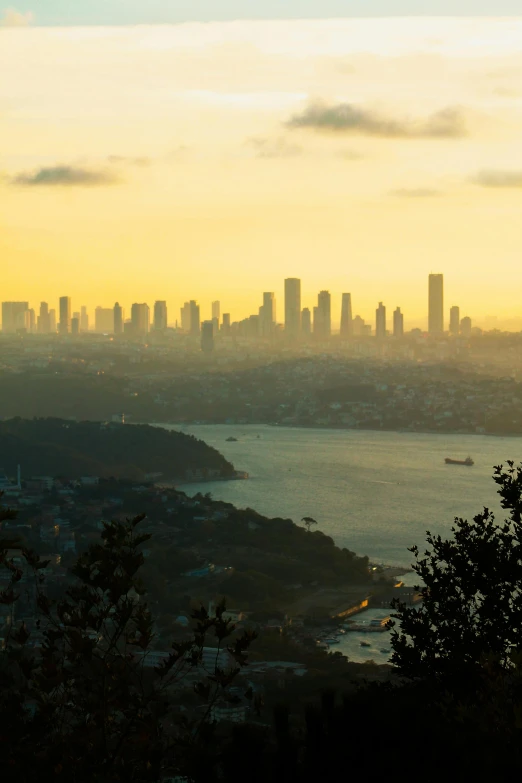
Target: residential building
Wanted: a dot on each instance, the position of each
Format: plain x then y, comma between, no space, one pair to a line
465,327
84,319
160,316
323,316
436,304
13,316
64,325
140,318
306,322
292,307
195,320
380,322
267,314
104,320
454,320
118,318
398,323
346,317
207,336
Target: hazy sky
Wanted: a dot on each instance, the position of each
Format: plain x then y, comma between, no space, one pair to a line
213,160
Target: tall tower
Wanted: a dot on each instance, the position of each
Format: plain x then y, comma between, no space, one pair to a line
64,326
160,316
380,322
118,318
268,314
195,320
207,336
225,326
454,320
306,322
398,323
292,307
84,319
323,316
436,304
43,319
346,316
140,318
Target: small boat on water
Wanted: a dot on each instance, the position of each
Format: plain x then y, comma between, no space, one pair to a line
468,461
365,644
385,651
332,641
231,440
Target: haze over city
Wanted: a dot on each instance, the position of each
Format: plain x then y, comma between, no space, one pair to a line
209,160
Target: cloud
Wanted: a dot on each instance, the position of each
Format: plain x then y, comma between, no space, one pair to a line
448,123
415,193
121,159
498,179
13,18
64,176
274,148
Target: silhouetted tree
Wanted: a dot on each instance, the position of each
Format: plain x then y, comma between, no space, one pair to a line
309,521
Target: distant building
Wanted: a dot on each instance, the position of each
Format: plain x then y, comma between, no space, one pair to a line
64,326
454,320
160,316
358,326
195,318
207,337
398,323
306,322
43,324
346,317
118,318
84,319
292,307
52,321
216,315
14,316
140,318
465,327
75,324
104,320
323,316
185,318
380,322
436,304
267,314
225,326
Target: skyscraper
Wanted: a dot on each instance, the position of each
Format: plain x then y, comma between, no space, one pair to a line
195,321
380,322
436,304
292,307
359,326
118,318
52,321
43,325
160,316
84,319
207,336
346,317
454,320
268,314
306,322
323,316
185,318
225,326
216,311
64,326
104,320
14,316
465,327
140,318
75,324
398,323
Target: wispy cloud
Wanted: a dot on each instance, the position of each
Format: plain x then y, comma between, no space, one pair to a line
64,176
274,148
448,123
13,18
494,178
416,193
127,161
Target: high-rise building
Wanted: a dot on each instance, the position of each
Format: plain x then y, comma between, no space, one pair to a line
225,326
140,318
267,314
207,336
160,316
30,320
465,327
75,324
64,326
118,317
43,325
84,319
185,318
346,317
454,320
398,323
13,316
104,320
292,307
323,316
195,320
380,322
358,326
216,312
436,304
52,321
306,322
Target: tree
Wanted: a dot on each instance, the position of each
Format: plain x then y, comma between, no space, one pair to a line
309,521
470,621
81,702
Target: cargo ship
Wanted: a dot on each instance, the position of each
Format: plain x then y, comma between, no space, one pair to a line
468,461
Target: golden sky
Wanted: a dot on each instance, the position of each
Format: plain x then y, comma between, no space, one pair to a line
210,161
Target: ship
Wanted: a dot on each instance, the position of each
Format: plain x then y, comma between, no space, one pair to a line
231,439
468,461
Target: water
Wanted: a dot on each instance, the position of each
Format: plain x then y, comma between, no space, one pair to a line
373,492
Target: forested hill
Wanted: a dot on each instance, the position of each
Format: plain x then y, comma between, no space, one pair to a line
57,447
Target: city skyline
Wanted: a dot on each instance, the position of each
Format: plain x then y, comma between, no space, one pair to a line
177,161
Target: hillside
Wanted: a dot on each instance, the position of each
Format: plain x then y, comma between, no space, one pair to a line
67,448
